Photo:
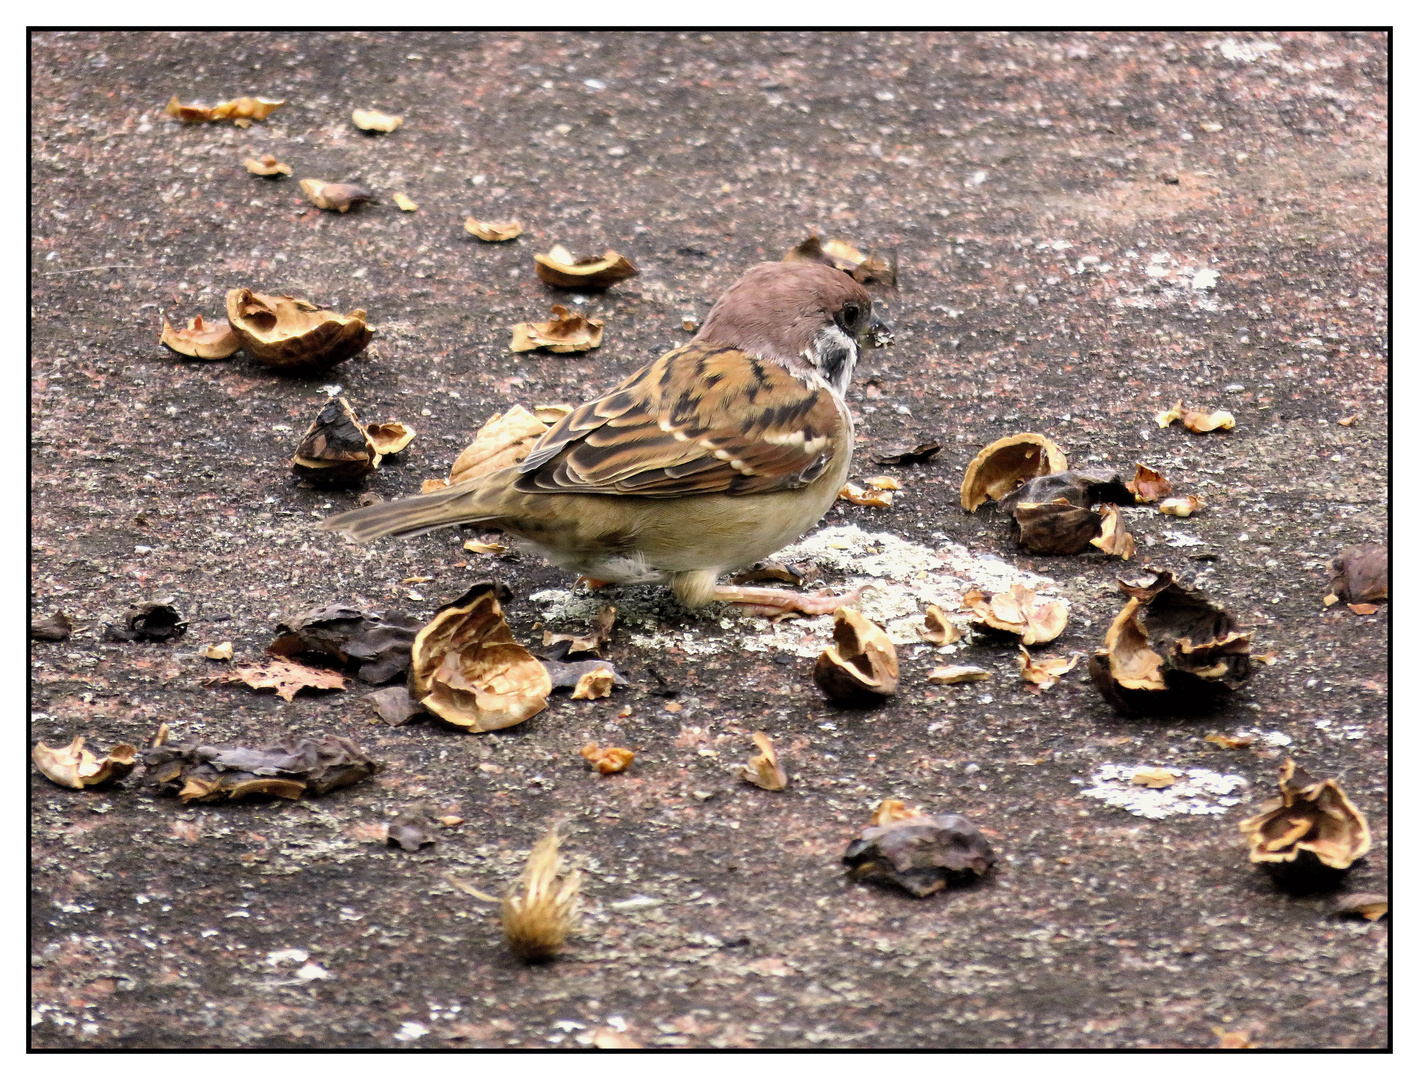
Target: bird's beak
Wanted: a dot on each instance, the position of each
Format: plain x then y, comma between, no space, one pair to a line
879,329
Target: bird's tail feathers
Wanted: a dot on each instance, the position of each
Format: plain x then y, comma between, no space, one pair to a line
414,516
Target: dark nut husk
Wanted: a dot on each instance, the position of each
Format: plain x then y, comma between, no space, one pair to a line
286,332
1077,487
1004,464
1312,825
380,643
921,853
288,769
1360,574
336,448
860,667
148,622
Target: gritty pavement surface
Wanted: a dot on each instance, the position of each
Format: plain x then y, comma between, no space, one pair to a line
1088,228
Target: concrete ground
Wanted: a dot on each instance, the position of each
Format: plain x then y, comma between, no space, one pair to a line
1088,227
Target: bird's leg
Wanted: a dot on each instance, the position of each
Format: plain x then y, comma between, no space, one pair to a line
590,582
781,603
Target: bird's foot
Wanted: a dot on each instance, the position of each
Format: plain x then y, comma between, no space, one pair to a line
591,582
783,604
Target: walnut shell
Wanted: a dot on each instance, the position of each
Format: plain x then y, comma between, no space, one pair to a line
1006,462
860,667
289,333
559,267
336,448
1312,822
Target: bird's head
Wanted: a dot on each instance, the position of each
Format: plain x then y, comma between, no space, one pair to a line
799,314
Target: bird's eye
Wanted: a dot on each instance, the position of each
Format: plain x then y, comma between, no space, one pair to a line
850,313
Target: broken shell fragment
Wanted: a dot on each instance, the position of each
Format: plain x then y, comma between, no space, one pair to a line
378,642
1311,825
1155,778
921,853
503,441
907,453
763,769
266,165
241,111
55,628
148,622
1055,528
539,911
1148,486
1183,506
494,232
1019,611
203,340
1230,742
218,652
1169,650
860,667
1197,421
1366,905
373,120
288,769
937,629
562,333
1113,538
1007,462
594,683
404,203
1045,671
956,673
290,333
607,759
559,267
342,197
390,438
75,767
859,496
1077,487
468,669
867,269
336,448
584,644
1360,574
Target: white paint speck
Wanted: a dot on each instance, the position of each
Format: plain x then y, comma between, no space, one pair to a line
1199,791
410,1030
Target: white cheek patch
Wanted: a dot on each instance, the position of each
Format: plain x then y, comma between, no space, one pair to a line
834,355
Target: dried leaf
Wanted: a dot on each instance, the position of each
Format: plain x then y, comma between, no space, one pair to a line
1231,742
1155,778
607,759
202,340
562,333
1113,538
390,438
336,448
1367,905
286,677
404,203
1044,672
956,673
594,684
326,195
287,769
1005,463
394,706
286,332
550,414
1019,611
73,766
906,453
559,267
860,667
539,912
468,669
921,853
1312,822
55,628
502,442
371,120
266,165
494,231
938,630
379,643
859,497
763,769
585,644
867,269
1360,574
1149,486
218,652
1182,507
148,622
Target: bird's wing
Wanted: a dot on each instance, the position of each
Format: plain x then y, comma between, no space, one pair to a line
701,419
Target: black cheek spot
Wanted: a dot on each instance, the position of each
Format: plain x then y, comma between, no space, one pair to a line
833,362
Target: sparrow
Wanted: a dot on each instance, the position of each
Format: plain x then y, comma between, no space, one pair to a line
703,462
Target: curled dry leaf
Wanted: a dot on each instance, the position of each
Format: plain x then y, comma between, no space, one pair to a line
494,232
241,111
1312,824
906,453
55,628
938,630
1155,778
1045,671
562,333
75,767
1019,611
585,644
336,448
956,673
763,769
1360,574
266,165
380,643
287,769
286,677
1182,506
286,332
1197,421
390,438
860,666
1113,538
1169,650
594,683
921,853
860,497
1007,462
203,340
218,652
502,442
539,911
559,267
1149,486
468,669
607,759
868,269
405,203
1366,905
331,196
1231,742
148,622
372,120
